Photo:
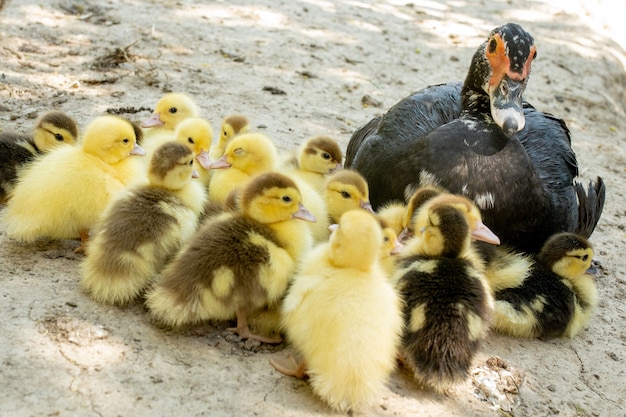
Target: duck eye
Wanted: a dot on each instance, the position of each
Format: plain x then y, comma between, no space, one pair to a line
173,110
225,133
492,45
326,155
345,194
238,151
386,239
190,140
584,258
286,199
125,140
58,137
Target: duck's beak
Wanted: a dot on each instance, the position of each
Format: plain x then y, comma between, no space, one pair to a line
153,121
484,234
506,105
336,168
397,248
194,174
366,205
405,235
333,227
304,214
203,159
220,163
137,150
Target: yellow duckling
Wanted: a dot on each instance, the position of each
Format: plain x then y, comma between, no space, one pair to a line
317,158
197,134
554,295
237,264
246,156
143,228
342,315
52,129
250,154
61,194
232,125
447,300
346,190
170,110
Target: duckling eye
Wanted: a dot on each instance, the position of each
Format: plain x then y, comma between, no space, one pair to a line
326,155
238,151
584,258
345,194
58,137
386,239
492,45
173,110
191,163
225,133
190,140
286,199
125,141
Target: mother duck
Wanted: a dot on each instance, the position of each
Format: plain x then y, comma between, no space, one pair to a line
481,140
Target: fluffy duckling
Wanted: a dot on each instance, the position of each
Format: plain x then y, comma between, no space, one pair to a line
61,194
343,316
170,110
345,190
195,133
250,154
447,301
317,158
141,230
555,296
247,155
232,125
237,264
52,129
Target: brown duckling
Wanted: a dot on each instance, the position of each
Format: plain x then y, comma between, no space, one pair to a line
142,229
52,129
237,264
554,295
447,301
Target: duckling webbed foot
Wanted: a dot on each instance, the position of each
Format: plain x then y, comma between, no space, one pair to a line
298,370
244,332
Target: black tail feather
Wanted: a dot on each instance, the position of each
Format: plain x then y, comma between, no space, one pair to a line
590,206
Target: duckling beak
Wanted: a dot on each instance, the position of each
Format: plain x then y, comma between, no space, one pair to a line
336,168
506,105
138,150
304,214
333,227
194,174
153,121
203,159
220,163
366,205
397,248
484,234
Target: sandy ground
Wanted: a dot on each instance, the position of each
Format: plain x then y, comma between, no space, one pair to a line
296,69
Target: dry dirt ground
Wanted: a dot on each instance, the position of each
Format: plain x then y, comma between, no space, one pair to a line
296,68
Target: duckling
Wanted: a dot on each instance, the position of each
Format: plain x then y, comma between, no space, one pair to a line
195,133
447,301
138,232
247,155
232,125
392,247
61,194
317,158
346,190
250,154
555,297
170,110
237,264
53,128
343,315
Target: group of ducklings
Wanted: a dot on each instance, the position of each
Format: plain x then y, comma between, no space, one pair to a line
285,244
